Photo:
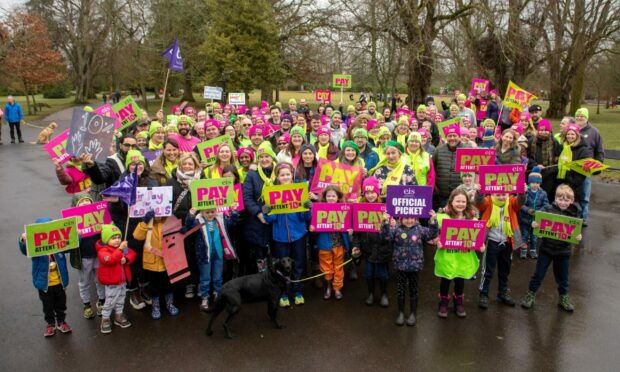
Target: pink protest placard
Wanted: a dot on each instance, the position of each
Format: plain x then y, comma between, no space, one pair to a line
367,217
90,217
106,110
468,159
480,85
500,179
56,147
331,217
323,95
462,234
238,199
346,177
481,112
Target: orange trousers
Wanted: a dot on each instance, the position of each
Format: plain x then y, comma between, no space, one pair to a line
329,261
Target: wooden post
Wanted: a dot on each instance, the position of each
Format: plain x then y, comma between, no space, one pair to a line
163,97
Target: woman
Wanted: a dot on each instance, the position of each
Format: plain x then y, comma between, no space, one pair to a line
350,155
162,167
420,160
158,135
573,148
245,156
225,156
402,131
142,139
282,144
426,143
507,149
230,130
325,148
290,154
529,130
393,169
382,137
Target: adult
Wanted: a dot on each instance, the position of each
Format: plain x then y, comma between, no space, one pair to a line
303,108
493,106
535,112
507,150
465,111
573,148
164,164
420,160
186,141
286,122
325,147
109,172
14,115
224,157
274,122
393,169
444,159
290,154
211,129
157,136
256,133
543,151
245,156
591,137
337,132
370,157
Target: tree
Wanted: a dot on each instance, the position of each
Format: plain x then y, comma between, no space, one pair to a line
30,56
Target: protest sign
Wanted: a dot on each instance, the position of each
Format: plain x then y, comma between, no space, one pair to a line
331,217
517,97
90,133
238,200
106,110
51,237
127,111
236,98
346,177
286,198
468,159
215,193
481,112
341,81
500,179
156,199
56,147
213,93
557,227
462,234
367,217
208,149
587,166
457,120
479,85
409,201
173,249
323,95
90,217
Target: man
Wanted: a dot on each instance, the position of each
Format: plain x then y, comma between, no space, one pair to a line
447,179
464,111
14,115
286,122
337,132
186,141
371,159
109,172
591,136
292,105
543,151
303,107
274,123
535,114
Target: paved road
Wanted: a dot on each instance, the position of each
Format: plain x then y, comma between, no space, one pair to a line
321,335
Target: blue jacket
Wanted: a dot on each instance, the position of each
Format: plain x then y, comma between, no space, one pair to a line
371,158
289,227
536,201
41,268
408,243
201,246
13,113
255,232
324,241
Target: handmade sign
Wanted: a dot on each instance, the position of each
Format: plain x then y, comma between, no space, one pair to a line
173,249
108,111
479,85
156,199
348,178
323,95
331,217
286,198
462,234
213,93
557,227
236,98
341,81
90,133
409,201
208,149
587,167
56,147
216,193
127,111
468,159
457,120
238,191
90,218
500,179
51,237
517,97
367,217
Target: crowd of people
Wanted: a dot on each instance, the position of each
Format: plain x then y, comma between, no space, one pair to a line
282,144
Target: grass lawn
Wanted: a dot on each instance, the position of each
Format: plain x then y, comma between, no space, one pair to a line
57,105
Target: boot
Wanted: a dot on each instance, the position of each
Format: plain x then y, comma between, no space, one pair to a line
566,304
505,298
136,300
371,292
444,302
523,253
459,305
384,297
155,311
400,319
144,293
528,300
172,310
483,301
328,291
353,272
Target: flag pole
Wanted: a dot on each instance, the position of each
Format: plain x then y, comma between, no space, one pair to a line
126,226
163,97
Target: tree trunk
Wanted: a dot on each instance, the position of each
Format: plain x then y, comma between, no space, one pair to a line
34,103
187,86
266,94
145,102
277,95
576,93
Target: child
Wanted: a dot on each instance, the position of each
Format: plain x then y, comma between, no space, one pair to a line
455,265
332,247
50,277
72,177
500,213
290,232
153,264
213,246
536,200
84,259
114,273
408,243
555,251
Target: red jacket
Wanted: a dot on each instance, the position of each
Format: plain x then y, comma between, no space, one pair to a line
111,271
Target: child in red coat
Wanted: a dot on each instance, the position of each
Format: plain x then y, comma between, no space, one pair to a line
114,273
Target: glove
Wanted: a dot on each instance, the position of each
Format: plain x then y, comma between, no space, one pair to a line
266,209
148,216
308,204
531,211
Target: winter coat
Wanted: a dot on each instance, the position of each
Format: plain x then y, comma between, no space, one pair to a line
373,247
492,110
446,178
591,137
289,227
536,201
554,247
574,179
408,244
513,204
512,156
13,113
539,144
74,179
111,271
41,269
324,241
150,260
186,203
255,231
371,158
158,171
106,173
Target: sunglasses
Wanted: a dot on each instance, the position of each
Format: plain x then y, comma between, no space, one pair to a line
130,146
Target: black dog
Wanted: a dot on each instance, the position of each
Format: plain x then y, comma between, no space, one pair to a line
269,286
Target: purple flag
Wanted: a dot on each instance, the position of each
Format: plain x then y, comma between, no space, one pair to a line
173,55
124,189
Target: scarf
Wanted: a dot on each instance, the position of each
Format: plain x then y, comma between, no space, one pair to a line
74,164
323,150
242,174
169,167
185,179
153,147
267,179
546,150
566,157
494,221
395,174
402,139
215,237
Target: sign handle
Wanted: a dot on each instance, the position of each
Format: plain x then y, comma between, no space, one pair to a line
163,97
341,92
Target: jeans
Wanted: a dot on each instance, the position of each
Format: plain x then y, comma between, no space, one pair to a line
560,271
528,237
15,126
211,273
380,268
585,203
500,256
297,251
54,304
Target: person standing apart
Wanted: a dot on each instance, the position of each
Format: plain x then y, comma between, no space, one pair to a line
14,115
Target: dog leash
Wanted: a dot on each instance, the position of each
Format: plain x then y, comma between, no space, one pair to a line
321,274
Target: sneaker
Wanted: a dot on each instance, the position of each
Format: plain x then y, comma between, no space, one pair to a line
385,302
400,319
21,140
106,325
533,255
284,302
136,300
370,299
189,291
99,307
411,320
566,304
528,300
64,327
328,292
505,298
88,312
12,141
483,301
204,304
146,296
299,299
523,254
50,330
337,294
121,321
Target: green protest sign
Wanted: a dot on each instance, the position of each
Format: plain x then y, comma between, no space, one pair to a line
457,120
128,112
558,227
216,193
341,81
208,149
51,237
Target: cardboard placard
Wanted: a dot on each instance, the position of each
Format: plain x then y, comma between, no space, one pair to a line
468,159
157,199
341,81
286,198
56,147
480,85
329,173
501,179
90,133
323,95
215,193
331,217
212,93
409,201
367,217
208,149
236,98
462,234
127,111
51,237
558,227
90,217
